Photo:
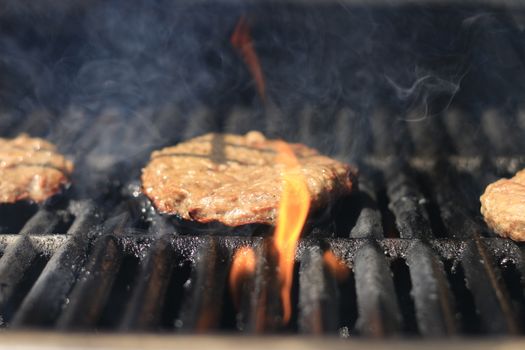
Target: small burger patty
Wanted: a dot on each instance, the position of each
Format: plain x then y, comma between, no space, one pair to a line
235,179
31,169
503,206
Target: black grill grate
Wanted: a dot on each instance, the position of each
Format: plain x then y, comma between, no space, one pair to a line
421,260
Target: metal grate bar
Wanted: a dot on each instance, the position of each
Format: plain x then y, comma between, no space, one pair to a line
454,214
386,142
279,122
90,294
368,224
482,278
502,135
43,222
241,120
485,283
427,133
265,313
378,310
350,145
20,256
203,120
432,296
145,305
167,119
466,143
243,296
313,129
406,202
44,301
318,298
202,305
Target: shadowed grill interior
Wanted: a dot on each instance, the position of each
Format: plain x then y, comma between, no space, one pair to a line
422,262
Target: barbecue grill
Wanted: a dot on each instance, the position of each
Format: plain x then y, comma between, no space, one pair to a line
427,140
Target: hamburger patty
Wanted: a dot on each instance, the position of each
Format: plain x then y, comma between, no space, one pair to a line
503,206
30,168
235,179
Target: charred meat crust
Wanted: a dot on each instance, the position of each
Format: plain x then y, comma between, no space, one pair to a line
503,207
31,169
235,180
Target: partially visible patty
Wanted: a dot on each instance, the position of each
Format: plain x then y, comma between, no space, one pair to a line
31,169
503,206
235,179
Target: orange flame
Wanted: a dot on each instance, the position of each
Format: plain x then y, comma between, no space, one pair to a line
243,265
241,40
336,266
293,210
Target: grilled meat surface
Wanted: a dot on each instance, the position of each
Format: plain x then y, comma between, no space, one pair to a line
235,179
31,169
503,206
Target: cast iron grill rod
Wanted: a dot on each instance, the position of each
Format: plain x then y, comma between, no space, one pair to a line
257,295
20,255
504,137
44,301
406,202
368,224
241,293
91,292
313,129
382,146
433,298
202,304
346,146
145,305
482,278
277,120
378,309
486,284
166,119
430,289
454,214
265,312
318,297
521,266
242,120
202,120
45,244
428,134
466,143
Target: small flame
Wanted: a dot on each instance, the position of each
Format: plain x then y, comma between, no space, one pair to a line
244,262
241,40
293,210
336,266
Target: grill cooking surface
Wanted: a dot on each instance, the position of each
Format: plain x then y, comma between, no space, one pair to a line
421,260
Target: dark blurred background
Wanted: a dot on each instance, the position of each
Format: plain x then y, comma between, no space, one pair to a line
109,81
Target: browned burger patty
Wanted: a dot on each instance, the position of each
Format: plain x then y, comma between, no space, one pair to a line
235,179
503,206
31,169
